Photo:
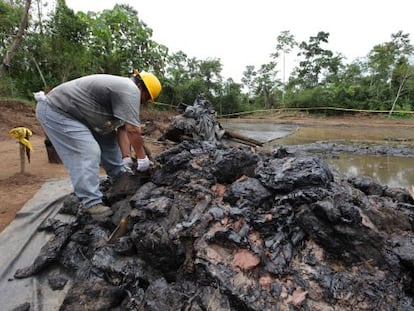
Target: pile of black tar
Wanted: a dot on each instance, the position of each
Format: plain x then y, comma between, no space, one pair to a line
219,228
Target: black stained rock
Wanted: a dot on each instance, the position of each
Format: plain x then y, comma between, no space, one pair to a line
403,246
367,185
230,165
200,160
185,295
123,187
225,228
292,173
92,295
23,307
124,270
70,205
57,282
153,243
248,189
49,253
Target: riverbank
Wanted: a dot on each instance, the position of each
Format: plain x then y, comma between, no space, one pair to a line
344,119
381,148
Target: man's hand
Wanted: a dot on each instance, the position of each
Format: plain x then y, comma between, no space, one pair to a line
143,164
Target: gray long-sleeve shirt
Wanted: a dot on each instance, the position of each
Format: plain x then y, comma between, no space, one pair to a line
102,102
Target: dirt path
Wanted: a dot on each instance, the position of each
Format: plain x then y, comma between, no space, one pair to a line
16,188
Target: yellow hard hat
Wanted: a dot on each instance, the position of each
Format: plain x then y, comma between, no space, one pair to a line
152,84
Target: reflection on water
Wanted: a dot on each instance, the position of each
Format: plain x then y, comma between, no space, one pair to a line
391,171
262,132
386,170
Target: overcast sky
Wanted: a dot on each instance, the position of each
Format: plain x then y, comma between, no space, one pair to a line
244,32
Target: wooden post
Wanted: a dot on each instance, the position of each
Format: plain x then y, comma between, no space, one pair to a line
242,139
22,156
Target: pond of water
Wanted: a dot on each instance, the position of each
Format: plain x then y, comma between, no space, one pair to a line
386,170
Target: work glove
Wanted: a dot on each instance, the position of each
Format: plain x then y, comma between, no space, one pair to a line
40,96
128,164
143,164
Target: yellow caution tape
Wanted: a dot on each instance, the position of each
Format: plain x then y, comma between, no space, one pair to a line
22,134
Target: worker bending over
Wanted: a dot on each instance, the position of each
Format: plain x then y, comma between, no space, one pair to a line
80,117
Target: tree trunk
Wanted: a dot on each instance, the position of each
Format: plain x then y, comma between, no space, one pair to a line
4,66
400,88
40,72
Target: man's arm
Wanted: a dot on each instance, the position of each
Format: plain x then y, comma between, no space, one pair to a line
136,140
123,142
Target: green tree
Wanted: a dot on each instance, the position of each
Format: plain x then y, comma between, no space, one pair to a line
10,16
285,43
351,86
390,71
177,67
16,33
119,41
403,70
400,83
231,100
380,63
210,73
52,51
187,78
319,65
64,50
267,84
262,83
249,79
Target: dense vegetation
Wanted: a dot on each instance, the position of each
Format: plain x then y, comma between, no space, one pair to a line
39,51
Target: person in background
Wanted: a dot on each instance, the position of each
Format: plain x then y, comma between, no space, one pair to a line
81,118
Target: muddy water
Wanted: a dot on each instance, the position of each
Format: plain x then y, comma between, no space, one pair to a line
263,132
364,134
387,170
391,171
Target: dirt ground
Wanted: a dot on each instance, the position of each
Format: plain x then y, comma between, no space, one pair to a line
17,188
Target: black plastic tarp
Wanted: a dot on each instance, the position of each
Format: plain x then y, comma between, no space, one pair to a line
20,243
